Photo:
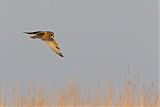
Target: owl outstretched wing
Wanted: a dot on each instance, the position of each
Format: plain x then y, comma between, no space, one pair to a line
37,34
54,46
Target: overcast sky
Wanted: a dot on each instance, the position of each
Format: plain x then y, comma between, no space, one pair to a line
99,38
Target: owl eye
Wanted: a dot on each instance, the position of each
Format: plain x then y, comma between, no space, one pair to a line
51,35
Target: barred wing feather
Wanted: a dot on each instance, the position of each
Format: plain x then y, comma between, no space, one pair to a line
54,46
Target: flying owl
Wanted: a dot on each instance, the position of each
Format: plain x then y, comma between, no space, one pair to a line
47,37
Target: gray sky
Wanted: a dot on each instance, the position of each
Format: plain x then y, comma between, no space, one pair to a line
99,39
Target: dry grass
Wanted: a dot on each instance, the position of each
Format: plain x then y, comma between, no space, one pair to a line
72,96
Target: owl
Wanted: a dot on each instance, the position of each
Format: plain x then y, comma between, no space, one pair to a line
48,38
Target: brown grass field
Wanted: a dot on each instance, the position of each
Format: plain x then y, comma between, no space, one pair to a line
72,96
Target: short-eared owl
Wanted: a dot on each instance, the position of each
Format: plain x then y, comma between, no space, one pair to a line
47,37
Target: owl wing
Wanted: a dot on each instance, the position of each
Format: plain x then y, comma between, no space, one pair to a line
54,46
38,34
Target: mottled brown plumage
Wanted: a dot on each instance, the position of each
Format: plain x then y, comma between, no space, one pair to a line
47,37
